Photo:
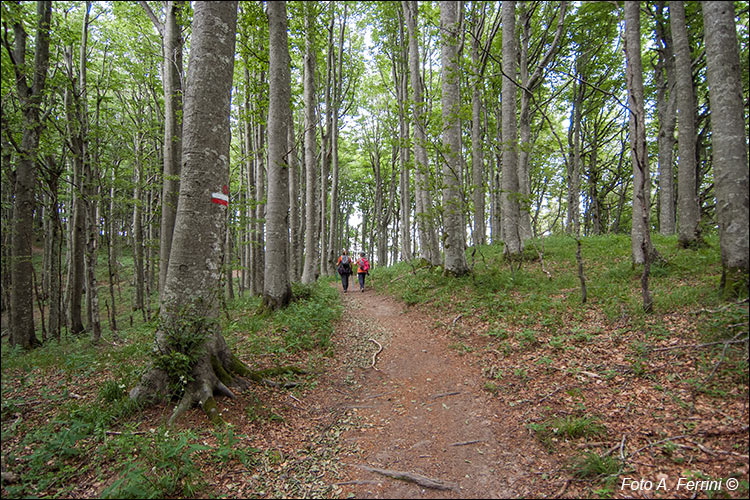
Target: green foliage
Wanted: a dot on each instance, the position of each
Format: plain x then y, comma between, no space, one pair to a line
185,333
164,467
569,427
593,465
305,325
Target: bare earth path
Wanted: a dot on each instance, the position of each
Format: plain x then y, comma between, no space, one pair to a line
421,410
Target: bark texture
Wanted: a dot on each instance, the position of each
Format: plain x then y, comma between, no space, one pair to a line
729,144
310,269
428,240
688,210
453,207
510,209
30,93
277,292
171,74
193,289
641,231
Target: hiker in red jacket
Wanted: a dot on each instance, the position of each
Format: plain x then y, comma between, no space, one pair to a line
363,268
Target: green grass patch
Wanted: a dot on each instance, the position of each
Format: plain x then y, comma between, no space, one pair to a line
569,427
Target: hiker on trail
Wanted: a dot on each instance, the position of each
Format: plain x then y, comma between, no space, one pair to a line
363,268
344,267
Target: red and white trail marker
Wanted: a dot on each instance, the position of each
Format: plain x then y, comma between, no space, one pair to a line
221,198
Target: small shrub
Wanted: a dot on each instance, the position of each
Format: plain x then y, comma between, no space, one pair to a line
592,465
570,427
111,391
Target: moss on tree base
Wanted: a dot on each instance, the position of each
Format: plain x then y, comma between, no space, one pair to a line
734,283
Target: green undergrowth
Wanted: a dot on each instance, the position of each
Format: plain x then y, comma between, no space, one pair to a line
67,418
548,286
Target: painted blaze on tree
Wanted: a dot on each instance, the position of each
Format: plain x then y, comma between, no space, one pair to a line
192,360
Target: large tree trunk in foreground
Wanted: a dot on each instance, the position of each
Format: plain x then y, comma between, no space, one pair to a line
30,96
729,144
192,294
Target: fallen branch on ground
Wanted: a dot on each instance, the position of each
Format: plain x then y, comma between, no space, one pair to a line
444,394
456,319
342,483
464,443
374,356
423,481
562,490
697,346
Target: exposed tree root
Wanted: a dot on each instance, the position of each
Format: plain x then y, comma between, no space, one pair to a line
213,374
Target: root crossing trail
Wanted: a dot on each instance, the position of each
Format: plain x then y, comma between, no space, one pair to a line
422,414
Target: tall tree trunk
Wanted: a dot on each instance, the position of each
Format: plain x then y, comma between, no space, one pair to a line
172,76
53,289
477,146
401,68
192,292
511,214
428,239
530,82
574,165
76,248
112,252
30,96
729,144
453,208
326,259
138,263
295,242
334,212
666,108
88,187
259,246
641,230
250,192
688,210
310,271
277,292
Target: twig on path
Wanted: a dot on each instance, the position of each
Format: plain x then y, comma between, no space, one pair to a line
456,319
697,346
464,443
366,481
374,356
378,395
423,481
561,490
444,394
552,393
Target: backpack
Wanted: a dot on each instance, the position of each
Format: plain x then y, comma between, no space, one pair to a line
365,266
345,267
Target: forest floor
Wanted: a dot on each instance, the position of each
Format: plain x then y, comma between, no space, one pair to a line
451,403
425,410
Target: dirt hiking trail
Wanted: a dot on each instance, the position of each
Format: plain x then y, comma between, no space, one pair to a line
420,410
